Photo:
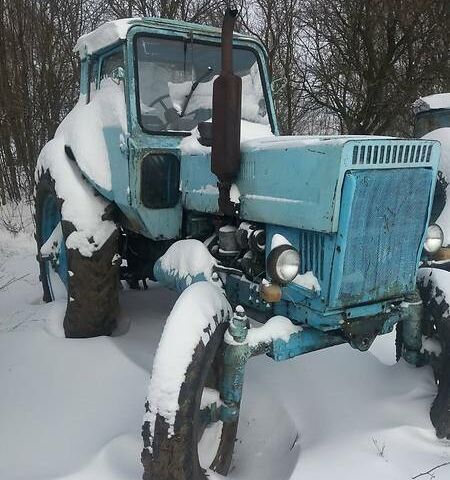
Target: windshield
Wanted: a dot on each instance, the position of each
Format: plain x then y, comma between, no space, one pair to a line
176,83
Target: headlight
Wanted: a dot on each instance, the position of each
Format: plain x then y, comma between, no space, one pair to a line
283,264
434,239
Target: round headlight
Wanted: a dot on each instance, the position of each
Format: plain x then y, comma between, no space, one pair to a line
283,264
434,239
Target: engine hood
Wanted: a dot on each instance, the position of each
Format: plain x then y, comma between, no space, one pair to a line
296,181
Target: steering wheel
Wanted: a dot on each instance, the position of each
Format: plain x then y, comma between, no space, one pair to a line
171,115
160,101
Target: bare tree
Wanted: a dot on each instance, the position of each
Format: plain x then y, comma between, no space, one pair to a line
352,66
369,59
188,10
278,25
38,82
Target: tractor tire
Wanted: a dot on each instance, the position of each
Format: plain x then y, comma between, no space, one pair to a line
436,326
174,452
91,283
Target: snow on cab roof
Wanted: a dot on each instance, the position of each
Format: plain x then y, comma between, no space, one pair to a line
116,30
432,102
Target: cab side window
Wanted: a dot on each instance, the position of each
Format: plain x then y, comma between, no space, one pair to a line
93,77
109,64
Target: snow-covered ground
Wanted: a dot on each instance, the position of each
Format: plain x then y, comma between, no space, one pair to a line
72,409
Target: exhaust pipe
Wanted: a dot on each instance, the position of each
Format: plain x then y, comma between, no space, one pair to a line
226,119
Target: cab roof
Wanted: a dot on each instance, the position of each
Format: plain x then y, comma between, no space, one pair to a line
114,31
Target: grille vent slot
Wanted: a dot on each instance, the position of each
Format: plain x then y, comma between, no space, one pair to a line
312,253
391,154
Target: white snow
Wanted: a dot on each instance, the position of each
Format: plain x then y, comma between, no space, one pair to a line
227,229
51,246
431,345
438,278
191,146
307,280
235,194
443,136
278,240
103,36
211,189
85,130
432,102
272,199
272,142
188,258
72,409
200,99
209,397
184,329
253,131
276,328
80,206
252,97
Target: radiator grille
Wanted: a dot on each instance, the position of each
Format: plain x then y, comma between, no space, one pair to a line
381,229
391,154
312,253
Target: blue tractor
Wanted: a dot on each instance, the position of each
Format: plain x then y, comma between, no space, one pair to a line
171,168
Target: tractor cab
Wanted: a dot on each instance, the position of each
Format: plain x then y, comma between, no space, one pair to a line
150,84
168,68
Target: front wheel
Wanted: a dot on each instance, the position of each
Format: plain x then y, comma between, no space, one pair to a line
180,442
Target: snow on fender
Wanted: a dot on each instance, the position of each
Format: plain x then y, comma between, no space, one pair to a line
185,262
80,206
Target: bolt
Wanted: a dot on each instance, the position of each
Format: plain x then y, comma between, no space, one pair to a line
239,325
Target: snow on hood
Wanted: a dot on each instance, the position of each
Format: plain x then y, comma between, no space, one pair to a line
432,102
292,141
103,36
443,136
249,131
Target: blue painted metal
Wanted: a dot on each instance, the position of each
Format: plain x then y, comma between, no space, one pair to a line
51,217
172,279
166,223
241,291
237,351
298,182
378,239
412,331
305,341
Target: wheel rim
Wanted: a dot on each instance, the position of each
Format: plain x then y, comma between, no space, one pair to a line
214,438
431,334
53,249
209,435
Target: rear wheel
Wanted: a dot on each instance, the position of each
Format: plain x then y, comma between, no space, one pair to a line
90,285
436,343
185,447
